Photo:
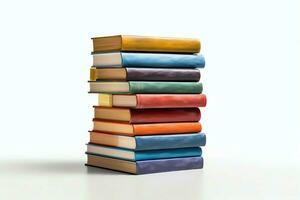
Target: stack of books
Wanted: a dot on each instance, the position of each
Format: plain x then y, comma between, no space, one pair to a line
147,117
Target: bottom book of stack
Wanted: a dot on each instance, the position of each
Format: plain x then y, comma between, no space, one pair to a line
146,166
146,154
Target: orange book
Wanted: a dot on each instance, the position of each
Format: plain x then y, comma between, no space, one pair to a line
145,129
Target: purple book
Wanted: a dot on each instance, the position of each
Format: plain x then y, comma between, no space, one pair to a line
146,166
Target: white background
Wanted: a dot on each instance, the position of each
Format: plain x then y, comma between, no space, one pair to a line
252,80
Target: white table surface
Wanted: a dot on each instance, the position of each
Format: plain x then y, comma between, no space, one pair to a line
220,179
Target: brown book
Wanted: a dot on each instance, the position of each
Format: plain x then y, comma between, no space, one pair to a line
145,44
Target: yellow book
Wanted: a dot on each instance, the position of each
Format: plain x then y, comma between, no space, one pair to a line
145,44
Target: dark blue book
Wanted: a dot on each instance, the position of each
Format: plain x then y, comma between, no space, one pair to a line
160,60
145,166
149,142
115,152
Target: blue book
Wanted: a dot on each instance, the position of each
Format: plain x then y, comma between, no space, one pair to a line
149,142
125,154
159,60
145,166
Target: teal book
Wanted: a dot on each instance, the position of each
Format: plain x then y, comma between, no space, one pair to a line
126,154
137,87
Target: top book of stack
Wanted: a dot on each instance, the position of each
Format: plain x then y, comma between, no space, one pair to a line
145,44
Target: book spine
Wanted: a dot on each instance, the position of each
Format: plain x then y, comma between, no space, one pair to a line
159,44
165,87
170,141
167,153
162,60
166,128
162,74
170,100
165,115
173,164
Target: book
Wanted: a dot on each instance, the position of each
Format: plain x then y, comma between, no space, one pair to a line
140,101
145,129
145,166
145,43
144,74
148,60
134,87
149,142
126,154
134,116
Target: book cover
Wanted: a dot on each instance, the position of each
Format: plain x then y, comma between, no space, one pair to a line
165,87
165,165
170,141
162,60
170,100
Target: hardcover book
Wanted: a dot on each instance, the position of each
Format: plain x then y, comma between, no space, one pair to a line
149,142
135,116
140,101
146,129
134,87
145,43
144,74
148,60
145,166
126,154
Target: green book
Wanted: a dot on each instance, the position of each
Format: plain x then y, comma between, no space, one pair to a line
136,87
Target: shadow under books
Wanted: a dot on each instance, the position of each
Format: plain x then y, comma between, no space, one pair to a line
53,166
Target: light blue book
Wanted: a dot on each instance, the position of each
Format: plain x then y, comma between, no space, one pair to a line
160,60
126,154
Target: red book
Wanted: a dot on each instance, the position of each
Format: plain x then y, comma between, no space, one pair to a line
153,100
